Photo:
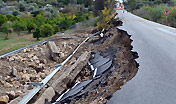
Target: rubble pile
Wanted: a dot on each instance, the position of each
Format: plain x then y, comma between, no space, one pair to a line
30,65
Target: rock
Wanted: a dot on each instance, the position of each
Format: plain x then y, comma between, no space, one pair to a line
53,50
4,99
2,82
64,44
14,72
19,57
11,95
42,50
24,50
41,66
42,75
47,72
39,79
36,48
25,77
33,78
24,71
16,83
20,73
25,88
37,61
11,59
30,71
23,59
62,54
32,64
18,93
49,93
28,49
35,58
30,87
44,61
8,85
8,79
31,55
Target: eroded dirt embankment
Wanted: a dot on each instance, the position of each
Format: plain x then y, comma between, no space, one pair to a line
116,44
124,68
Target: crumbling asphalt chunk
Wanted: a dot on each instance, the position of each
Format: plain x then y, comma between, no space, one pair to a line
100,64
73,91
103,68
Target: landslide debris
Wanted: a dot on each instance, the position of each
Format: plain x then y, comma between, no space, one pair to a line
117,44
32,64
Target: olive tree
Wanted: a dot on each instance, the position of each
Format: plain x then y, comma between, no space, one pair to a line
36,33
6,29
46,30
19,26
3,19
30,25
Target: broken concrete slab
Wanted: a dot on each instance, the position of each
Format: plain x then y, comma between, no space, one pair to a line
48,94
54,52
60,85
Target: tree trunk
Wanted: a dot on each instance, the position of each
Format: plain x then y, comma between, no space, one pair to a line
6,37
18,33
29,31
37,38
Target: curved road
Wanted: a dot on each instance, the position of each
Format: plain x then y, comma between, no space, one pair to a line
155,82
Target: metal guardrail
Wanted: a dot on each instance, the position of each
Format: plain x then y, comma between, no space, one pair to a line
39,43
32,93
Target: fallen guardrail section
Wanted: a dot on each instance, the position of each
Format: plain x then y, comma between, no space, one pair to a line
31,94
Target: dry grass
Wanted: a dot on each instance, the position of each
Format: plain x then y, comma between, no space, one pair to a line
14,42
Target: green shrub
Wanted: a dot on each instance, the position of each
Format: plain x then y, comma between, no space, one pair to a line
79,17
11,17
157,12
19,26
105,16
3,19
16,13
39,19
46,30
47,15
172,17
30,24
30,8
36,12
5,28
36,33
146,8
21,7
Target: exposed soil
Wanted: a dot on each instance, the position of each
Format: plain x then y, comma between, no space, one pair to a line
33,65
124,68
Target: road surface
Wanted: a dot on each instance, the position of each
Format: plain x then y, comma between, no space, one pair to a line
155,82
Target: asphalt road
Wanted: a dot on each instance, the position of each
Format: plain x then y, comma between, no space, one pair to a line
155,82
